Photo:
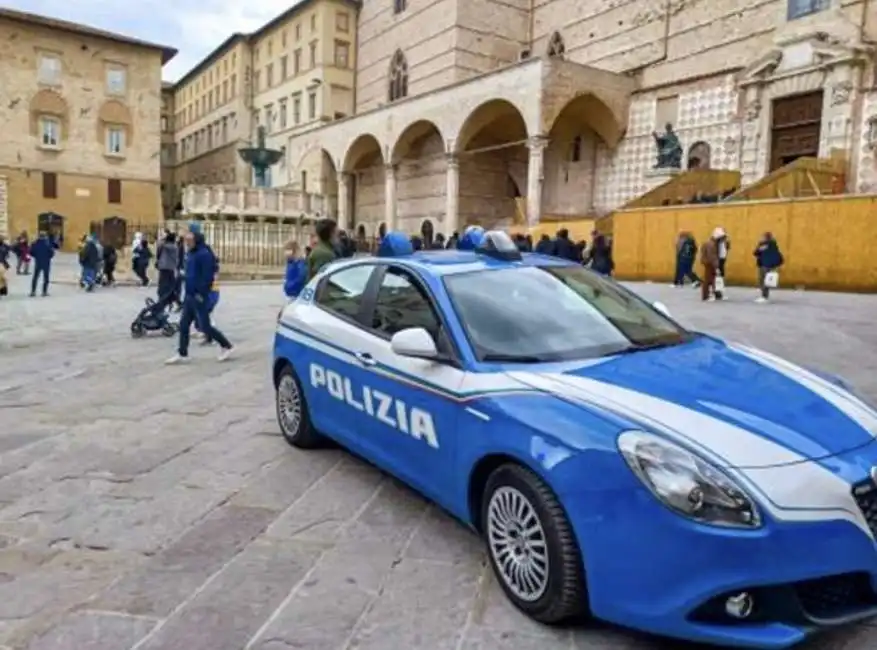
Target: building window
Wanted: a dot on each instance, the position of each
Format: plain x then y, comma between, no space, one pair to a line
283,39
269,110
283,116
269,75
296,62
284,67
399,6
270,49
313,54
114,190
298,32
313,22
312,106
115,141
398,77
556,47
50,132
234,84
575,151
296,110
801,8
342,22
225,91
164,124
342,54
116,81
50,185
50,70
257,80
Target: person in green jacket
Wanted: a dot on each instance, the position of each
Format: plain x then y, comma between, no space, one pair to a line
324,251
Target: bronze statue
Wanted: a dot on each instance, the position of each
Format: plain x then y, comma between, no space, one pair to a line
669,149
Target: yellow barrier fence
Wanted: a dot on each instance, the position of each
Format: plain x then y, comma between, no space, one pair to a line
829,243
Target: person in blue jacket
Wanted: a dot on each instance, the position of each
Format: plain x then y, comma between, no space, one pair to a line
200,275
768,259
296,271
41,251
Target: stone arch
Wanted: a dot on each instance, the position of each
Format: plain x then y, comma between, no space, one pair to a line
496,121
48,103
699,155
586,112
316,173
363,149
556,46
409,136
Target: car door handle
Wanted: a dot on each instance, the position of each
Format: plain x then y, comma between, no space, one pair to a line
365,358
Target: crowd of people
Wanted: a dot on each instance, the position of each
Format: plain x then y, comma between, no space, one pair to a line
714,254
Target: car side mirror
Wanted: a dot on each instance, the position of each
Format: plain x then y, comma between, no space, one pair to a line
661,307
414,342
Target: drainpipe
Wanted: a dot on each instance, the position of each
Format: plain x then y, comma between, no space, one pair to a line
531,27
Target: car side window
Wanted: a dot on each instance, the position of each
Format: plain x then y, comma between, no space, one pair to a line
401,304
342,291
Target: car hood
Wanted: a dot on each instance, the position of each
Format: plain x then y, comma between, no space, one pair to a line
741,406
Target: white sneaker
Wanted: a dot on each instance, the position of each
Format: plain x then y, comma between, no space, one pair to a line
711,299
224,354
176,360
197,335
761,300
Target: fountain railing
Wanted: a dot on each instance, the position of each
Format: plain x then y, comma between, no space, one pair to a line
236,201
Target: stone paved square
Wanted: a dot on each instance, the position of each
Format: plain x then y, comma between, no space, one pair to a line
145,507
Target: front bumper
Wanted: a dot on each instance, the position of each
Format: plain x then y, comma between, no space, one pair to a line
650,569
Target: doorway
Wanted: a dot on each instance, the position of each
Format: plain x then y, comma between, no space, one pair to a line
795,128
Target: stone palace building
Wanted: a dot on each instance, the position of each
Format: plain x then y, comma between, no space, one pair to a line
464,106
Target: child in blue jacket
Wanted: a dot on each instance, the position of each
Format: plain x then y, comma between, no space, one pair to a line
296,271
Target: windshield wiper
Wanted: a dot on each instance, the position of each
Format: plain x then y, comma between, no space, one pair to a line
642,347
512,358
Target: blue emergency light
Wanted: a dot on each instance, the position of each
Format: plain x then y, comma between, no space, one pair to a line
471,238
499,245
395,244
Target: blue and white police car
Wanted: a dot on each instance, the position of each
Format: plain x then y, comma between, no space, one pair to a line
616,464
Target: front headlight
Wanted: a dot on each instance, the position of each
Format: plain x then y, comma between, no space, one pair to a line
686,483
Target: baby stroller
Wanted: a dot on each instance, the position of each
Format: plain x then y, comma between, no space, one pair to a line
153,318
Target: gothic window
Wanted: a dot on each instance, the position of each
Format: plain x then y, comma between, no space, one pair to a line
398,77
399,6
801,8
556,48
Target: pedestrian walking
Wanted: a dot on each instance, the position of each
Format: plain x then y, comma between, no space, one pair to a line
323,251
5,249
167,263
22,254
686,253
709,259
89,260
296,270
140,255
42,252
110,261
200,275
723,244
768,259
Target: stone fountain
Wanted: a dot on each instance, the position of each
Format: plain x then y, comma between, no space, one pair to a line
260,157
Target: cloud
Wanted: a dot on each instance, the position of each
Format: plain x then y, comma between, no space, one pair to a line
194,27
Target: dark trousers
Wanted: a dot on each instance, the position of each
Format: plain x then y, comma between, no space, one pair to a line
139,269
167,282
685,269
196,311
109,275
40,271
722,262
709,282
22,267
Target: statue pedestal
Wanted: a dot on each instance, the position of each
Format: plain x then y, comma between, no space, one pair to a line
662,174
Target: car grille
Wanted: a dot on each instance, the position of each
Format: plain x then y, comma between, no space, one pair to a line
836,596
865,494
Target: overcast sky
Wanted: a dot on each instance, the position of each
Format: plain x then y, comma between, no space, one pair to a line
194,27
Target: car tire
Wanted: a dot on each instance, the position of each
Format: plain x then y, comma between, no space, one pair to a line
292,412
559,593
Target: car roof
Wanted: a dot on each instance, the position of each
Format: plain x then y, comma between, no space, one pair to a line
453,262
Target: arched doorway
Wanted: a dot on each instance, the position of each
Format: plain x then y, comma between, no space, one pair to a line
699,155
582,127
419,152
114,232
364,162
52,224
492,145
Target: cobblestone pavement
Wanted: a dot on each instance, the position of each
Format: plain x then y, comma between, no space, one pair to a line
148,507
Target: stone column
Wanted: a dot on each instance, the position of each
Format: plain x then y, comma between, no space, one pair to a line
343,201
452,196
390,196
535,176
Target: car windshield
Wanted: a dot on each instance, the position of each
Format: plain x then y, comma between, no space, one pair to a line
539,314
